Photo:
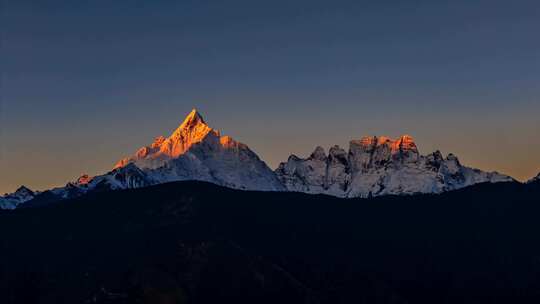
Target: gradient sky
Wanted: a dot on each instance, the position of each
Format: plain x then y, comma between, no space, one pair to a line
84,83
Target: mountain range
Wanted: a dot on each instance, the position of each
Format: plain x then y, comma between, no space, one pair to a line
376,166
373,166
184,226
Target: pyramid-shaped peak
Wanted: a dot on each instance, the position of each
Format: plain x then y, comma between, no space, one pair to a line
193,118
192,127
23,190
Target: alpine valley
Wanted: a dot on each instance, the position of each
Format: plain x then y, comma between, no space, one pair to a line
372,166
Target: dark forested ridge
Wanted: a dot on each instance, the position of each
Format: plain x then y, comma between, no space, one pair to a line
194,242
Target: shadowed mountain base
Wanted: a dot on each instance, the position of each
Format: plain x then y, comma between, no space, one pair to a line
194,242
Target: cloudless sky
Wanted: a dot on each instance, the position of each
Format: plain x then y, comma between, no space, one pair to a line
84,83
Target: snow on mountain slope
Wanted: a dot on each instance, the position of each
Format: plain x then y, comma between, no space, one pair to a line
12,200
379,166
222,161
127,177
193,130
195,151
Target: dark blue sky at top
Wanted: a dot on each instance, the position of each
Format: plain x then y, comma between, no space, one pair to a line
86,82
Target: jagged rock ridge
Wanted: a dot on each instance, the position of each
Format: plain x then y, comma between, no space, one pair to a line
12,200
379,166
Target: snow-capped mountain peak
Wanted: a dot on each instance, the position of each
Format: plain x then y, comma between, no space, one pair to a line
191,131
12,200
196,151
193,119
23,191
379,166
373,165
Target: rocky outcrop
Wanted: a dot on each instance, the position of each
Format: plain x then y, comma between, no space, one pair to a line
379,166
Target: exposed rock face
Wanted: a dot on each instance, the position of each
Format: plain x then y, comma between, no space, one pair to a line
338,171
307,177
379,166
12,200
